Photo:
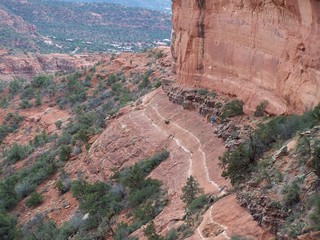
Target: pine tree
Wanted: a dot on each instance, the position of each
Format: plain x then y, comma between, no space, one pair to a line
134,178
191,190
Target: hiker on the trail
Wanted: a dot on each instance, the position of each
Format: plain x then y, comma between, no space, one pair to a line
212,119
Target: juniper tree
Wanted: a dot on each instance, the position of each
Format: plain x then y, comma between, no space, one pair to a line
191,190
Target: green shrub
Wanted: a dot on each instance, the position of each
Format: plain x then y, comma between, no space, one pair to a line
304,147
41,81
24,104
101,86
77,97
83,134
93,68
112,78
51,89
116,87
76,91
43,230
24,181
238,238
157,83
151,163
9,125
62,102
64,152
2,86
104,202
27,93
261,107
4,102
172,235
198,203
17,152
24,188
63,186
40,139
158,54
240,161
64,139
34,200
150,232
202,92
315,215
125,97
191,190
123,231
133,177
8,228
145,196
237,163
316,158
38,101
149,188
219,105
291,193
70,228
205,92
14,87
87,81
144,213
3,132
232,109
8,196
145,82
58,124
98,200
294,225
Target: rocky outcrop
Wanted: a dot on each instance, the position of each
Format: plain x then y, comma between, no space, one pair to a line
192,99
209,105
269,214
27,66
253,49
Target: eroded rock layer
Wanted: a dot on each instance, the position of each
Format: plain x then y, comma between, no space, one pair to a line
25,66
253,49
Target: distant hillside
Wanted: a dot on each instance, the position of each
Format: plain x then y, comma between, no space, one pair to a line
161,5
76,27
15,34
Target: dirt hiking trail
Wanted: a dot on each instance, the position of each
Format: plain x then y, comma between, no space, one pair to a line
155,124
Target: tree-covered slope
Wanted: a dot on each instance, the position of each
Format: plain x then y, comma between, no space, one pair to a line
161,5
71,26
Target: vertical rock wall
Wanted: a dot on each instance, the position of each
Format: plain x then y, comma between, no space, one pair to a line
253,49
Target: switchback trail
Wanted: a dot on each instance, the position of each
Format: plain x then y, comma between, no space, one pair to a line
195,137
156,123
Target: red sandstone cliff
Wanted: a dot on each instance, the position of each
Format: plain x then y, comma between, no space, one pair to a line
253,49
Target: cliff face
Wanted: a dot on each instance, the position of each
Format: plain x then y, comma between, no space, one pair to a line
253,49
